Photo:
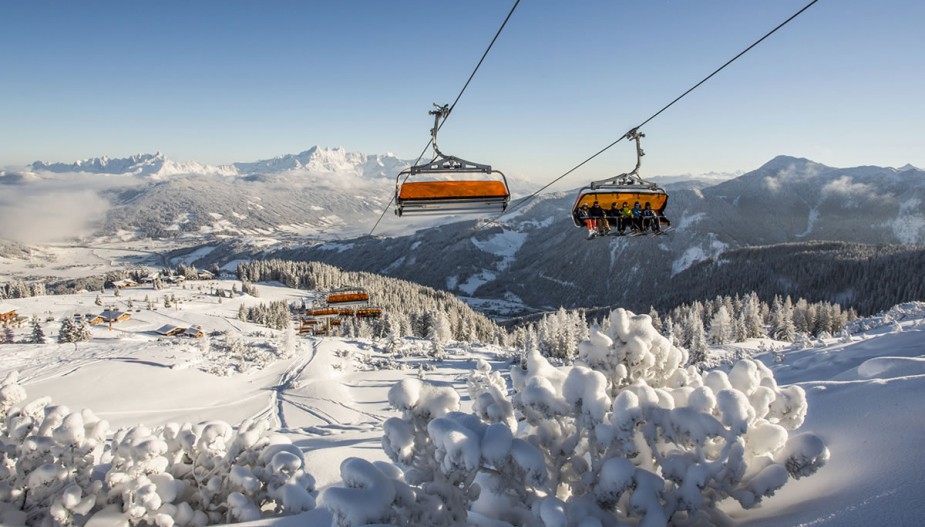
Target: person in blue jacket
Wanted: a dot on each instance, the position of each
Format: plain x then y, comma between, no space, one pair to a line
637,217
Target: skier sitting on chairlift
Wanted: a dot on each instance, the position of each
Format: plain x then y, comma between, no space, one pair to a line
597,212
585,217
650,219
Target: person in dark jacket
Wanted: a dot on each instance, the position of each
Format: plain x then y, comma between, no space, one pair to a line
650,219
597,212
613,217
584,216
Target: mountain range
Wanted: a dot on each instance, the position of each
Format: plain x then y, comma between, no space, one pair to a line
535,259
318,205
319,193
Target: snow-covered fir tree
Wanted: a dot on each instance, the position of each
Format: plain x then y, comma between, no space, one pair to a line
696,337
74,330
782,327
38,334
721,326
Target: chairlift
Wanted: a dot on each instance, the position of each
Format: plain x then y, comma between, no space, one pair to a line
625,188
348,297
450,185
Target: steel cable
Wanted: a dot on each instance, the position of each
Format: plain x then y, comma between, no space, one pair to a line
523,201
461,92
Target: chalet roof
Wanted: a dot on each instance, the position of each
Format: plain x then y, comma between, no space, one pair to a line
112,314
193,332
124,283
6,308
170,330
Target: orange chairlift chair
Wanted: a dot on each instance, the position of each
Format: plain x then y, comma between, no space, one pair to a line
451,185
628,187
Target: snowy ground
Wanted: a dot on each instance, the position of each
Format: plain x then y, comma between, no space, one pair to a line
866,395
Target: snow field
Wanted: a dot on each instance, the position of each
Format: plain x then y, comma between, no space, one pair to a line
706,445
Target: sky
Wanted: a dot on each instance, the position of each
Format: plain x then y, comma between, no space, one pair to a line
222,82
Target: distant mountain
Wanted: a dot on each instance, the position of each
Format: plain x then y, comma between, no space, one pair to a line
705,179
328,160
149,165
538,260
320,193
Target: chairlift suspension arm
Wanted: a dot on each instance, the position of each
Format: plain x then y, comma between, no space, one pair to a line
633,176
636,135
439,112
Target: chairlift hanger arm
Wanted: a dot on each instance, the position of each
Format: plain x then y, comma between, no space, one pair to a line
632,177
439,113
442,162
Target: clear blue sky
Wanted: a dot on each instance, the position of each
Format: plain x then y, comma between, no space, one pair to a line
219,82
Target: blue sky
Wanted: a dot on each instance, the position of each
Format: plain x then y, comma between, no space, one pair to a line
220,82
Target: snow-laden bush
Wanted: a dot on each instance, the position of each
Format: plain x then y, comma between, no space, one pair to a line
57,468
448,459
625,435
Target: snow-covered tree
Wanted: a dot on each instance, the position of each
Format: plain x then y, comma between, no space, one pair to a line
450,461
38,334
74,331
782,319
67,471
439,332
656,321
625,435
721,326
8,337
752,316
696,337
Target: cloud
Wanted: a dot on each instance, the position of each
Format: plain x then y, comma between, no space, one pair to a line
44,207
846,186
50,216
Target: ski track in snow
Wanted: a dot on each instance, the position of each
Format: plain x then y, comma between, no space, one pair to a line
283,396
286,380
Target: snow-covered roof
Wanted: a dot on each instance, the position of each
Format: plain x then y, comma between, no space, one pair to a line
6,308
111,314
170,329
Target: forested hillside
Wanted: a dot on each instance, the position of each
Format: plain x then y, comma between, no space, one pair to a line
869,278
412,309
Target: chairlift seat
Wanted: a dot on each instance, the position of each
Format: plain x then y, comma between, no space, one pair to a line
447,197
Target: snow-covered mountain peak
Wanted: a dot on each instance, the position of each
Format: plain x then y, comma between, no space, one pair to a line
155,166
322,160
